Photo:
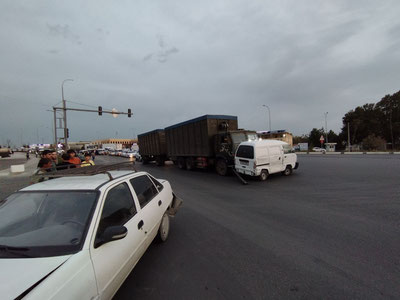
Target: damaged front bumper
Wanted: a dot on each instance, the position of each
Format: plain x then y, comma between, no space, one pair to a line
175,205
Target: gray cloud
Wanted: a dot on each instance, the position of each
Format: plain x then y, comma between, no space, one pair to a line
65,32
171,61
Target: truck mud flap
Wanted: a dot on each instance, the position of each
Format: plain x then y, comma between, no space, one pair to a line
175,205
296,166
239,177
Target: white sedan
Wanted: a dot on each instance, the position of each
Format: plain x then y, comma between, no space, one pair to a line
79,237
318,149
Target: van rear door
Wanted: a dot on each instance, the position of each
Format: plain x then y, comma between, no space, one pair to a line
244,159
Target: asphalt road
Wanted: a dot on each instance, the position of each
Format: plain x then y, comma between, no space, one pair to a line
331,231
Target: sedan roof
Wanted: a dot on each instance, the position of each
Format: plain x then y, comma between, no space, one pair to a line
90,182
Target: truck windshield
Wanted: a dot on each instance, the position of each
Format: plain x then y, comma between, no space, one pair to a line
42,224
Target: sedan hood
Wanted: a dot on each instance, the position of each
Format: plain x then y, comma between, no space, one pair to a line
18,275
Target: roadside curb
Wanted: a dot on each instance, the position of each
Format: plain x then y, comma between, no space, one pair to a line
348,153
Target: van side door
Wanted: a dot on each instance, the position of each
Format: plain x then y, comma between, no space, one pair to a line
276,158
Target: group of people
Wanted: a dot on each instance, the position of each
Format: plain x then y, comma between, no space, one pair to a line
50,161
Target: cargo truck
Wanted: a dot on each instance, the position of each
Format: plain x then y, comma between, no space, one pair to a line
152,146
203,142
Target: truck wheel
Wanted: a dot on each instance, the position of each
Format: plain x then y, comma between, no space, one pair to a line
221,167
145,160
160,161
181,163
287,171
263,175
163,230
189,163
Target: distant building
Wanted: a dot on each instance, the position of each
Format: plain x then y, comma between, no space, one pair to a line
330,147
280,135
118,143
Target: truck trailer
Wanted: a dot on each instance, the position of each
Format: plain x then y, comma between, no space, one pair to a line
152,146
203,142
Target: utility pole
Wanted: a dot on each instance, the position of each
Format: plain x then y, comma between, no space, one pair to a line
65,114
348,136
55,129
391,129
326,128
269,116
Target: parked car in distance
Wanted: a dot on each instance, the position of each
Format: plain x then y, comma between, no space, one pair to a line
79,237
318,149
263,157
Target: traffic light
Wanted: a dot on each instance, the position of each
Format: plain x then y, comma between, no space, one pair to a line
129,113
67,133
100,111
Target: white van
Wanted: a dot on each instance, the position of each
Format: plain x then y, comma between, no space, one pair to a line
264,157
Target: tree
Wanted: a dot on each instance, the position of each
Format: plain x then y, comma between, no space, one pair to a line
380,120
314,137
300,139
373,142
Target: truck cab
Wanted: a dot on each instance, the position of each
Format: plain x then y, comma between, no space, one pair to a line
263,157
226,144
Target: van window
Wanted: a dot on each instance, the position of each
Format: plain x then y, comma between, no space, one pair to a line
245,152
287,149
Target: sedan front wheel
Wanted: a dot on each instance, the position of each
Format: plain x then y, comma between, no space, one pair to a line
163,231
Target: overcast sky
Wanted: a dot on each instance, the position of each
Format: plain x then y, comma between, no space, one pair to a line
170,61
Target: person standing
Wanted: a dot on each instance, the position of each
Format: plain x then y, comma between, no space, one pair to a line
87,162
73,158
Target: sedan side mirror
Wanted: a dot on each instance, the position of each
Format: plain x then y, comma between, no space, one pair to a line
110,234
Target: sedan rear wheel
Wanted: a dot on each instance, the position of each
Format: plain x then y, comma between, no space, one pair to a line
163,231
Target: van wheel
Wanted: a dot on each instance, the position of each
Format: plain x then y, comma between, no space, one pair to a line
288,171
264,175
163,230
181,163
221,167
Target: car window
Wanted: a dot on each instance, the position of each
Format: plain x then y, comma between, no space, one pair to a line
245,152
144,189
158,184
46,223
119,207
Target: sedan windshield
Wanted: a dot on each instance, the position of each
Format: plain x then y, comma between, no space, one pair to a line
40,224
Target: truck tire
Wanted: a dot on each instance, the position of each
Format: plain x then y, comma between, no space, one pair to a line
264,175
160,161
163,230
181,163
288,170
145,160
221,167
189,163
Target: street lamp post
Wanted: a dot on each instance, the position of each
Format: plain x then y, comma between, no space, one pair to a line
326,127
65,113
269,116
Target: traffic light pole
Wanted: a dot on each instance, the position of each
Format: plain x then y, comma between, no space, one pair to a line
100,111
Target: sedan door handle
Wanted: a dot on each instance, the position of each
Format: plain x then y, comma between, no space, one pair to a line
159,203
140,225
